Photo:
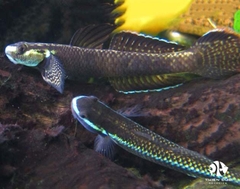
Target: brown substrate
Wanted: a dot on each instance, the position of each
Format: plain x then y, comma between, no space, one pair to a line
42,146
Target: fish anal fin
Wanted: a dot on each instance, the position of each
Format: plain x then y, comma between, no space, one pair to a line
53,73
140,83
92,36
133,42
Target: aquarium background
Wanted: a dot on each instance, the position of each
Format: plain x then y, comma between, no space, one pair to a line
43,146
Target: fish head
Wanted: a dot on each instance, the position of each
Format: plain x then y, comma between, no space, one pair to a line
87,110
26,54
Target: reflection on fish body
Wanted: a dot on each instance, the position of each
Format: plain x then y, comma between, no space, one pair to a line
142,142
145,63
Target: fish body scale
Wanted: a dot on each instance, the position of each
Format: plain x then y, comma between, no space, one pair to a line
111,63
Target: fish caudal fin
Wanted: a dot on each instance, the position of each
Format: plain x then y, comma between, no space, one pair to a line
217,53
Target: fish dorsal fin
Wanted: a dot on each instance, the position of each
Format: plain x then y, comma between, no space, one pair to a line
129,41
92,36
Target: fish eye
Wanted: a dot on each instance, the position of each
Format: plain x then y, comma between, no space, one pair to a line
83,116
21,48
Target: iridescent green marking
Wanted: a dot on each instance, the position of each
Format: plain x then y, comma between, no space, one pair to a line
151,90
236,23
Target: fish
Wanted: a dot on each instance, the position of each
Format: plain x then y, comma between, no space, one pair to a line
56,64
131,62
113,127
188,16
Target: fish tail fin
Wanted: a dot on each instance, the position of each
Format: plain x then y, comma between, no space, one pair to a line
217,53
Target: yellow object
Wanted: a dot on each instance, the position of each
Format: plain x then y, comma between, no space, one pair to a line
149,16
186,16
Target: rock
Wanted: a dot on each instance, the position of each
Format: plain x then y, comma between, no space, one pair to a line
67,163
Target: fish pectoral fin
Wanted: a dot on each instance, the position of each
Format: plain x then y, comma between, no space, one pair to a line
93,36
105,146
139,84
133,42
53,73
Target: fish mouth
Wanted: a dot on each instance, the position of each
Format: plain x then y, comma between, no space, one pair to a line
9,50
75,110
74,107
